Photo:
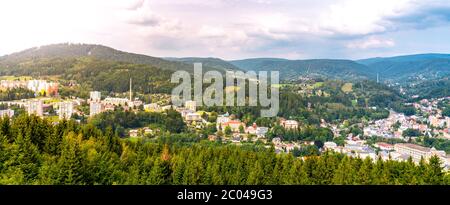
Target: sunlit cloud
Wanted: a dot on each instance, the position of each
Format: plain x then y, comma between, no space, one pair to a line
228,29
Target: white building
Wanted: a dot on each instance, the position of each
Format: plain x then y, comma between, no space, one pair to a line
7,112
133,133
168,107
190,117
152,107
95,108
116,101
289,124
261,131
329,145
417,152
65,110
222,119
191,105
95,96
35,107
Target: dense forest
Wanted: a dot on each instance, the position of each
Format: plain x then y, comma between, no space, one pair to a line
95,74
33,151
120,120
16,94
365,101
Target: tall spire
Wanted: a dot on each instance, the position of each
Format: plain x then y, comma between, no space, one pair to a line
378,78
130,91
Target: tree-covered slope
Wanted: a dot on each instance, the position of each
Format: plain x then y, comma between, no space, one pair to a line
293,69
216,63
87,50
410,67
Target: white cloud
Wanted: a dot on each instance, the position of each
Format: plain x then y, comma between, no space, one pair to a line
371,42
222,28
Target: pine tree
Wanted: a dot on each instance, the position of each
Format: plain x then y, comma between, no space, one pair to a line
25,156
5,128
365,172
434,174
71,160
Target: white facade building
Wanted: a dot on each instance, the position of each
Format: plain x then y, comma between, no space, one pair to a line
191,105
7,112
95,96
35,107
65,110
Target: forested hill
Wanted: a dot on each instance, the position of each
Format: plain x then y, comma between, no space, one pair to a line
14,61
293,69
409,67
95,74
216,63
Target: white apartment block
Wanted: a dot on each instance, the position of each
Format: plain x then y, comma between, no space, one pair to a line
95,108
417,152
289,124
65,110
35,107
190,117
152,107
190,105
95,96
7,112
116,101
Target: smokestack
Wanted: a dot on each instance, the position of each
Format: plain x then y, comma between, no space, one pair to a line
130,91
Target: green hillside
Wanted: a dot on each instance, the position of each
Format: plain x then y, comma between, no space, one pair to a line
216,63
410,67
293,69
67,51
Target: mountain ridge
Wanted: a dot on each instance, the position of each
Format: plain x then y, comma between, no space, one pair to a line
403,68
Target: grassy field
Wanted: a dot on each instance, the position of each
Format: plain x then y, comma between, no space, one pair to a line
347,87
354,103
318,84
51,100
133,139
53,118
230,89
10,77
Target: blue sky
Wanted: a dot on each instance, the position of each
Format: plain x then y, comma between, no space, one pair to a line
233,29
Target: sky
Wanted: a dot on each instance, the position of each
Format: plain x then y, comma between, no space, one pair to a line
232,29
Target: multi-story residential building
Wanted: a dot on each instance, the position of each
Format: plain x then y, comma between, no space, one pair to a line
221,119
10,84
434,120
417,152
251,129
65,110
261,131
135,103
152,107
233,124
116,101
191,117
289,124
7,112
95,96
95,108
329,145
168,107
35,107
384,146
43,87
191,105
